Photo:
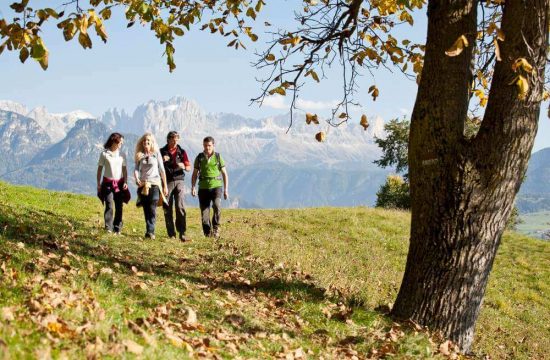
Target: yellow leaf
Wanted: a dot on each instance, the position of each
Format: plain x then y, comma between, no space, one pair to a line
320,136
251,13
84,40
313,75
497,50
523,64
105,13
458,46
522,84
278,90
523,87
253,36
364,122
23,54
373,90
270,57
312,118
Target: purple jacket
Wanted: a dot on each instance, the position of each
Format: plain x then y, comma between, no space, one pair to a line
112,185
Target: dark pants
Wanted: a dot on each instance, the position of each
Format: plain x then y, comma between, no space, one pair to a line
113,206
175,197
207,196
149,204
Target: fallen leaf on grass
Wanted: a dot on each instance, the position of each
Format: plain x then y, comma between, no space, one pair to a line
132,346
8,313
191,318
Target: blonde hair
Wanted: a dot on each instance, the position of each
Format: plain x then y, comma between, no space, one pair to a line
140,149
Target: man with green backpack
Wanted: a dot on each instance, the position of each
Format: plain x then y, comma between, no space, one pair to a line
209,169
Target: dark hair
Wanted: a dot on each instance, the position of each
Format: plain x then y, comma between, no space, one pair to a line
172,134
209,139
114,138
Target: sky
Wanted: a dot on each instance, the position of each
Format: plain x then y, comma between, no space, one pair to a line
130,70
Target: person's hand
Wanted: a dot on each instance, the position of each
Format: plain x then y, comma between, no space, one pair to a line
98,188
166,157
193,192
181,165
165,191
125,186
138,183
225,194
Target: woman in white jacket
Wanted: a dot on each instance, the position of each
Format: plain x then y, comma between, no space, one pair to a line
150,179
111,187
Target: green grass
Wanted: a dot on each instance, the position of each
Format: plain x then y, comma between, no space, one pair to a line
277,282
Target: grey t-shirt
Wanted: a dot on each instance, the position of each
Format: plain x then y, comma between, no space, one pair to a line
149,167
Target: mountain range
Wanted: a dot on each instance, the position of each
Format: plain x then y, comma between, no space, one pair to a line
268,165
534,194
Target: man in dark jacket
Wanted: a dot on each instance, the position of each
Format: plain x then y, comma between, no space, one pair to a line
176,163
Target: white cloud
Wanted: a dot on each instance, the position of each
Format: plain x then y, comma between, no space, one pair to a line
275,101
280,102
315,105
405,111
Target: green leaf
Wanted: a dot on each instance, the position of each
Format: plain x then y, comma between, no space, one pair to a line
38,51
178,31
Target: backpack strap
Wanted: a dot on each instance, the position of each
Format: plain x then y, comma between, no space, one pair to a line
219,162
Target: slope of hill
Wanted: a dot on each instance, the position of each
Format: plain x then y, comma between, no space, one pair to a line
534,194
278,284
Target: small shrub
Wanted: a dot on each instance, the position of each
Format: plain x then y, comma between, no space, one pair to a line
394,194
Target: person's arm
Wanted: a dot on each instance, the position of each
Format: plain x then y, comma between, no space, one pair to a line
162,173
125,177
186,164
100,164
225,183
99,171
136,174
194,181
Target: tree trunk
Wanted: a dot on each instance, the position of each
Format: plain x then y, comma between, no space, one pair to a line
462,191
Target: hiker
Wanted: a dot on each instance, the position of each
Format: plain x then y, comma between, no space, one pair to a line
209,168
150,179
112,188
176,163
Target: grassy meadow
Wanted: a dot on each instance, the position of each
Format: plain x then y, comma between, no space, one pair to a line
290,284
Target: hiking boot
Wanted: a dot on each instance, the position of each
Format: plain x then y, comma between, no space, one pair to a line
216,234
183,238
150,236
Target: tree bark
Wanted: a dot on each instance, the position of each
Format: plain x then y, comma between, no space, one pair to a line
463,191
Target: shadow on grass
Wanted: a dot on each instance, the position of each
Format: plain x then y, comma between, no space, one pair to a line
50,231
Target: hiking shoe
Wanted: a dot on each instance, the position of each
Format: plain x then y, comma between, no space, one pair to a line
150,236
183,238
216,234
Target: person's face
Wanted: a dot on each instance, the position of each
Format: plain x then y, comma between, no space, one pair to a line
208,147
118,145
173,140
147,143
